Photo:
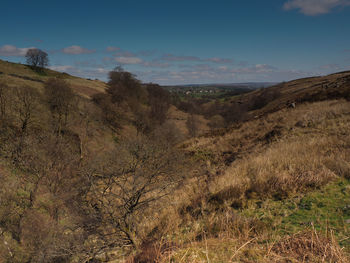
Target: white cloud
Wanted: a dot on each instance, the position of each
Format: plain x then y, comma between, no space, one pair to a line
77,50
102,71
93,72
62,68
128,60
315,7
9,50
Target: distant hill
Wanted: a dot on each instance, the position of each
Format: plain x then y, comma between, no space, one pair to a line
333,86
253,85
217,87
19,74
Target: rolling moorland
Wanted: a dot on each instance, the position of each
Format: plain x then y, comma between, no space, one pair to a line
128,172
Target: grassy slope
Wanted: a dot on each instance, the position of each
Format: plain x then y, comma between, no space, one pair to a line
275,183
306,89
15,74
19,74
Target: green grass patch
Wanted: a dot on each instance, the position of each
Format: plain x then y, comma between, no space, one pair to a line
327,210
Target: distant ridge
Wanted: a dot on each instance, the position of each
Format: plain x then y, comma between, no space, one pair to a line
239,84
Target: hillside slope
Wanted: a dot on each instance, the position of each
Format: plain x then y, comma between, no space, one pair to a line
275,188
307,89
18,74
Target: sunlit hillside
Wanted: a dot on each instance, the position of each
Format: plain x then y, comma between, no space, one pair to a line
138,175
18,74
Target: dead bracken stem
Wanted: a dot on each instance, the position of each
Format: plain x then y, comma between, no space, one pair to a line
245,244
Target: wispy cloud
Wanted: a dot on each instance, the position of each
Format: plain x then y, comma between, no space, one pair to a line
9,50
119,52
175,58
93,72
220,60
128,60
64,68
112,49
315,7
330,67
171,57
77,50
155,64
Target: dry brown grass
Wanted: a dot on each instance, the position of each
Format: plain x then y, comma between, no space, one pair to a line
287,167
179,118
308,246
20,75
310,151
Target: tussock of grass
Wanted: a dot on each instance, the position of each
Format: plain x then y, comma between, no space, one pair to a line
308,246
284,169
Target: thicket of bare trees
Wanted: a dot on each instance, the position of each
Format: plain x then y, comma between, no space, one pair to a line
149,103
136,175
56,203
60,99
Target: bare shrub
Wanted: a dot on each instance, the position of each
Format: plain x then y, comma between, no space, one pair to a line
159,101
123,85
60,99
309,246
136,176
27,100
216,122
4,100
192,125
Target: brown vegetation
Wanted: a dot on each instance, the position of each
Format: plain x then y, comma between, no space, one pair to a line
74,189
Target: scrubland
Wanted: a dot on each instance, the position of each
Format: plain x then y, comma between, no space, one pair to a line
284,197
122,174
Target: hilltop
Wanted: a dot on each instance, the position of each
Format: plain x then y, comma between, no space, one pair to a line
297,91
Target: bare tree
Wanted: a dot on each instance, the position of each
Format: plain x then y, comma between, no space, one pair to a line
159,101
60,98
37,58
123,86
3,99
138,174
192,124
27,101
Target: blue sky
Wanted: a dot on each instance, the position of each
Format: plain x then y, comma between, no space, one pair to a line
182,42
